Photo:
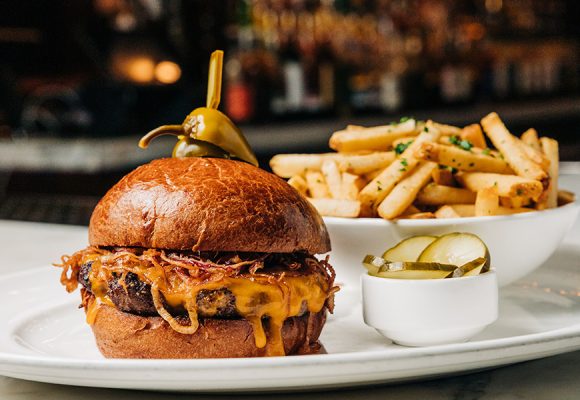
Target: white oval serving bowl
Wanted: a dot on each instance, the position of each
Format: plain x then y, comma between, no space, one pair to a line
518,243
429,312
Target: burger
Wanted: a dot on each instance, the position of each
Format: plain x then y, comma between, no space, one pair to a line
203,258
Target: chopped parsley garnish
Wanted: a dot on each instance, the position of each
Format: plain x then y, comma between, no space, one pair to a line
404,119
401,147
486,151
454,140
426,129
519,192
462,144
405,164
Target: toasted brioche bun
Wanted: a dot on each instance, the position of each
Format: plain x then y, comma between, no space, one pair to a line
205,204
123,335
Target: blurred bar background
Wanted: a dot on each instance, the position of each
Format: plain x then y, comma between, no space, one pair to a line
81,81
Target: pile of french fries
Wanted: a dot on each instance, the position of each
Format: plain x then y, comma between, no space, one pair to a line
415,169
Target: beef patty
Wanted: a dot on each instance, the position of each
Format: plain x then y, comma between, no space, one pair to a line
134,296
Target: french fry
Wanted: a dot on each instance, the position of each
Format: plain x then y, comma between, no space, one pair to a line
515,156
377,189
550,148
299,183
541,203
444,140
535,155
487,202
464,210
446,211
486,151
443,176
515,202
363,179
474,135
373,174
447,130
351,185
364,163
460,159
361,182
436,195
375,138
288,165
509,211
468,210
316,185
506,185
565,197
336,207
419,215
411,210
404,193
404,140
530,137
333,178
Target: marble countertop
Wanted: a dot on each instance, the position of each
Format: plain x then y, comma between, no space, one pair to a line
555,377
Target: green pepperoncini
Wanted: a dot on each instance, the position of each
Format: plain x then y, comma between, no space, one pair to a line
207,132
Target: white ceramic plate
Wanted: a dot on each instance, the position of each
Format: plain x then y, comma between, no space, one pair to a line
44,338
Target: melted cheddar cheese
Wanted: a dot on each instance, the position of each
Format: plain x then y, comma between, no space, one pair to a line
259,297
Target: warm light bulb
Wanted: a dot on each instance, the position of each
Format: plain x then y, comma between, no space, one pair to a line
141,69
167,72
493,6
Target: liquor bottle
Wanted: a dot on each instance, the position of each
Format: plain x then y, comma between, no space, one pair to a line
291,64
239,94
326,77
240,91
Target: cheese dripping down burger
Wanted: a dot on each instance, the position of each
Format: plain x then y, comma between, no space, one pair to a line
203,258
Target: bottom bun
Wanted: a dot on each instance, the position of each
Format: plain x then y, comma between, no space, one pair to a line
123,335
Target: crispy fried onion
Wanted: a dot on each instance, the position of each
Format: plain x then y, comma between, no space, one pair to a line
71,264
173,272
197,266
190,306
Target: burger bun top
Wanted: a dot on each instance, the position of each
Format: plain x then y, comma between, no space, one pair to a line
207,204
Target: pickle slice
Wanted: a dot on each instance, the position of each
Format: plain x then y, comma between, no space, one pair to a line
456,249
415,270
409,249
472,268
373,263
